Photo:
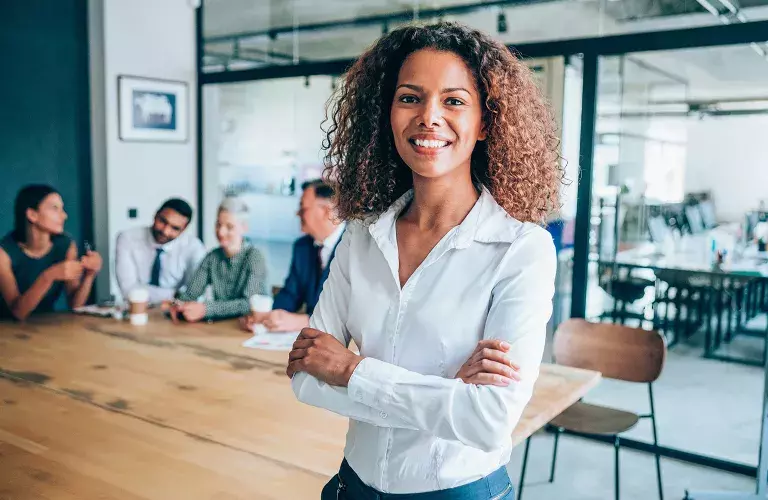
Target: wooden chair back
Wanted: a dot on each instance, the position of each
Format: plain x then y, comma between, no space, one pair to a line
617,351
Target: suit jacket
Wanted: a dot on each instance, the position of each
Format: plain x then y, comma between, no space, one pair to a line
305,280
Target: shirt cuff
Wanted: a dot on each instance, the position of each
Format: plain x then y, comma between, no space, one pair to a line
372,383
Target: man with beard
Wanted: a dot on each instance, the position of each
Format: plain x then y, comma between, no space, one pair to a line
160,258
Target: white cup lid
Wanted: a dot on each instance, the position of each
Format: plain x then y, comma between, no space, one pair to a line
261,303
139,295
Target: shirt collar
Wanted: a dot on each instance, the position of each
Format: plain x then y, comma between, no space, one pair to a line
333,238
487,222
239,255
167,246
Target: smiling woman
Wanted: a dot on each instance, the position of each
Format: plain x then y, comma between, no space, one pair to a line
518,162
443,156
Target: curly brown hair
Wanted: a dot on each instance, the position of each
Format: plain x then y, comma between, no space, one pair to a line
518,162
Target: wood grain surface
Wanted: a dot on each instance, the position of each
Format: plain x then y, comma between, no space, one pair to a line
97,408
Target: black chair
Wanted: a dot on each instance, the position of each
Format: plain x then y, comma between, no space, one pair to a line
625,289
680,304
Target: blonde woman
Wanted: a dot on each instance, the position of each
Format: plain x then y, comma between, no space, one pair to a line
235,270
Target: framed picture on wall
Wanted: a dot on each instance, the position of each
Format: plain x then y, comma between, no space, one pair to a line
152,110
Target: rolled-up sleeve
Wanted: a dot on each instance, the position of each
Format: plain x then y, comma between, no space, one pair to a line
479,416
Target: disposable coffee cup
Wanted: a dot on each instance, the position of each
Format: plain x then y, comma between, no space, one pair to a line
138,304
261,303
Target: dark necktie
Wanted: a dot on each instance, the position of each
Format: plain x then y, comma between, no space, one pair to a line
319,249
154,279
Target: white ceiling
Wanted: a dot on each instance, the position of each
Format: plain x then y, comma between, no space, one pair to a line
715,72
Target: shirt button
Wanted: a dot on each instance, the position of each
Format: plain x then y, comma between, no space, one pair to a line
383,414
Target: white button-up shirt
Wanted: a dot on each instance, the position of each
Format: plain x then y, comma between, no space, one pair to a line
414,427
135,253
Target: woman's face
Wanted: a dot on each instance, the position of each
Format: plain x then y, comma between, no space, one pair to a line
229,230
50,215
436,113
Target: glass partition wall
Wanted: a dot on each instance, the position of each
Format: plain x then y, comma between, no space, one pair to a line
262,140
679,172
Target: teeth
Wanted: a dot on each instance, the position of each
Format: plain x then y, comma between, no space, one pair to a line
430,144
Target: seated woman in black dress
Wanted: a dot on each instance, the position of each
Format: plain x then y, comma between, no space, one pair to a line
38,261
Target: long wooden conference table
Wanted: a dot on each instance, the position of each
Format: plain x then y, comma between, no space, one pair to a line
95,408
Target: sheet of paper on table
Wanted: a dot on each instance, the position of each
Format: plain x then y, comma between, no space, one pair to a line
269,341
97,310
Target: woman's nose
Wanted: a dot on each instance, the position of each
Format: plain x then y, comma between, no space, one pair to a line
431,113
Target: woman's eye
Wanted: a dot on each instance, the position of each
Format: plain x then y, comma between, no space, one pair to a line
408,99
453,101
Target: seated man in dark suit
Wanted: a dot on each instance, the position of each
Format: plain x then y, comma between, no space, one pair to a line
312,255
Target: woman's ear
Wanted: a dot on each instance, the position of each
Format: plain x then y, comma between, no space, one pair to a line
483,132
32,215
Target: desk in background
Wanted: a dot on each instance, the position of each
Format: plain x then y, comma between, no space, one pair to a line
731,294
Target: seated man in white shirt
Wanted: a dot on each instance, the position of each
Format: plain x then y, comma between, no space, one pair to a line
160,258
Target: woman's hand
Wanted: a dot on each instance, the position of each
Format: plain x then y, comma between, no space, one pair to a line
280,320
249,321
91,262
488,365
322,356
191,311
67,270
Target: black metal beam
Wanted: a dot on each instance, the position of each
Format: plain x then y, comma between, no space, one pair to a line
226,58
380,19
199,115
673,453
254,50
684,38
336,67
608,45
584,196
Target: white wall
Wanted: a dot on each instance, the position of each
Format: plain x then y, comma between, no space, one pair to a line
571,134
265,121
152,39
730,157
727,156
263,132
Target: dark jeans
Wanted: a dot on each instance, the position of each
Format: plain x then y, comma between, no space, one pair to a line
346,485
